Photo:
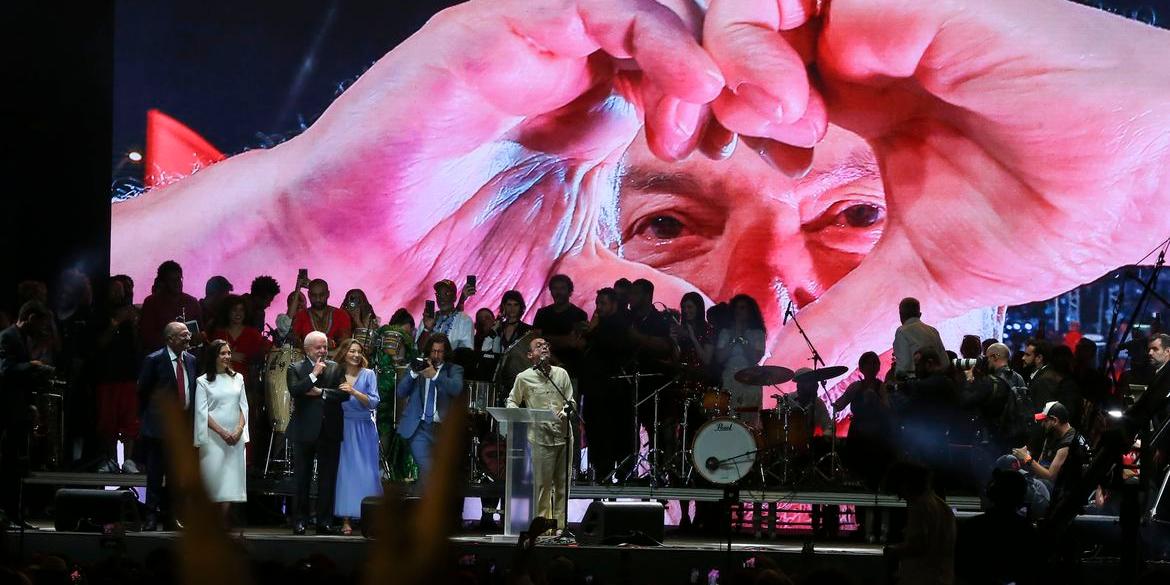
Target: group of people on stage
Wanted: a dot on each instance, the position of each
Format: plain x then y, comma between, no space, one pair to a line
360,387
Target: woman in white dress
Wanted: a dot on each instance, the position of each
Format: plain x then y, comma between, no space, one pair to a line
221,427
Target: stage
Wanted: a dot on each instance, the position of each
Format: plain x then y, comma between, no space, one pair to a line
676,561
680,556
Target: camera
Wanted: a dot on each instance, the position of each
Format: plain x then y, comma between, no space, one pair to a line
979,363
419,364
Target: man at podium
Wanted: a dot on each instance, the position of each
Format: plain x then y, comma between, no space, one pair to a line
547,387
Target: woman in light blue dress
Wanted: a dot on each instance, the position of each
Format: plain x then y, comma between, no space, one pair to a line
358,473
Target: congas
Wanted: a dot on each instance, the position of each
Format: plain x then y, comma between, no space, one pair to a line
394,344
716,402
724,450
276,396
364,336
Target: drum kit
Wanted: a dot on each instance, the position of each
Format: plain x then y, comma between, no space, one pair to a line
727,448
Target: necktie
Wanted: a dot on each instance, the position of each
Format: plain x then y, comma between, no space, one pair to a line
428,410
181,379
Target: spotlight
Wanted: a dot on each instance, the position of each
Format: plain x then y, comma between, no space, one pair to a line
1027,326
134,155
1115,413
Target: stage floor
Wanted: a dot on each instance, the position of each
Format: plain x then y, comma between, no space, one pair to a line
674,562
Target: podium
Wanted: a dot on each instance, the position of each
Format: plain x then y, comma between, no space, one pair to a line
518,488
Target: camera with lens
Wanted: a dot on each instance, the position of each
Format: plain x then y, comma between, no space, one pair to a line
419,364
979,363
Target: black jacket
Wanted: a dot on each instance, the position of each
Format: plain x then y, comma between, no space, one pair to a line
315,417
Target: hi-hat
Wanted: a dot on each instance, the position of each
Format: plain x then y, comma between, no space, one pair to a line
820,374
763,375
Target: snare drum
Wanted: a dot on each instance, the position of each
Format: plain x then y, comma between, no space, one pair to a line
716,402
276,395
724,450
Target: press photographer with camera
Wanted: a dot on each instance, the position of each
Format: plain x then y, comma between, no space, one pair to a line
999,398
432,384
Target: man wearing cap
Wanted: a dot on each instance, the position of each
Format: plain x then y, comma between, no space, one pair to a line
1037,496
1064,452
450,321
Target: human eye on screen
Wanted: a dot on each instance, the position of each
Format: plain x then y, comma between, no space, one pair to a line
660,235
851,222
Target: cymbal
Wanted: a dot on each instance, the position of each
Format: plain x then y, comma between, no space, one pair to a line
820,374
763,375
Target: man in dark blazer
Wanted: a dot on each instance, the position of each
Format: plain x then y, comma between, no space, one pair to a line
169,371
315,430
432,391
19,376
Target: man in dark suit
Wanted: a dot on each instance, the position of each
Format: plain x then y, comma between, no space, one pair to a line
169,371
431,390
19,375
315,430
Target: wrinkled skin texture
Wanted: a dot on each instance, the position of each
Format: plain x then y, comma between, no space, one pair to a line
1022,151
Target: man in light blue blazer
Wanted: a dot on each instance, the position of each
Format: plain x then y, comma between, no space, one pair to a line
432,390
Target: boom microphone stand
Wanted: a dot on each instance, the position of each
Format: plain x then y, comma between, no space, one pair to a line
818,362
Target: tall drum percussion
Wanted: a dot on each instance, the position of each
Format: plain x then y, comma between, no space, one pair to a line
724,450
364,336
276,395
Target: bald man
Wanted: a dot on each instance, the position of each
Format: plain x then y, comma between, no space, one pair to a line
170,371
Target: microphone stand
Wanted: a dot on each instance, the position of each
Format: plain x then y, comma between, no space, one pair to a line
573,418
818,362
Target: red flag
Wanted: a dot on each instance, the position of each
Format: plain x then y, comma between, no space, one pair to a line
173,150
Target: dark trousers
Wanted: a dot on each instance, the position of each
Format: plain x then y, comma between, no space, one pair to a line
158,497
326,453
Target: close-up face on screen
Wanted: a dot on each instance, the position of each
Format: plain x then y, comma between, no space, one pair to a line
386,153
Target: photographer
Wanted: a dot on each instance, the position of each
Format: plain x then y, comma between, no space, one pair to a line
929,408
994,391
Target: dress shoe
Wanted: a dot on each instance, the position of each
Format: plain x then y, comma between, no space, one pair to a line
326,530
129,466
299,528
150,525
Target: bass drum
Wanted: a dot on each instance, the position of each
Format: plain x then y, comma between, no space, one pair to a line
724,450
276,396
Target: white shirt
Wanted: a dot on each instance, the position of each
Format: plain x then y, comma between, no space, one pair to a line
460,330
429,395
175,365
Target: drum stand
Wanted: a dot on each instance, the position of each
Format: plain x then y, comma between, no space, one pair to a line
286,463
684,467
786,407
476,475
635,459
835,466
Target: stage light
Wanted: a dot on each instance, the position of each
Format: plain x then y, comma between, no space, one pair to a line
1115,413
1027,326
134,155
